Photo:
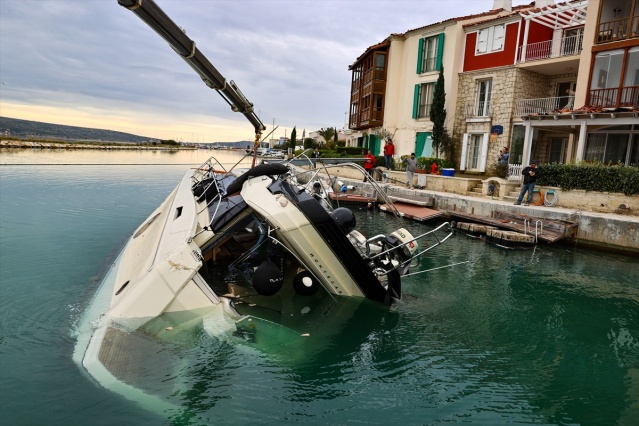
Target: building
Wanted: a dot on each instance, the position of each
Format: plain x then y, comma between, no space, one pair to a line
603,123
393,84
557,82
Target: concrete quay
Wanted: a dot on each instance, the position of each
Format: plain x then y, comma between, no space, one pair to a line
605,230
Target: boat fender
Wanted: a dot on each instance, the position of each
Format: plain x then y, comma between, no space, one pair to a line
268,277
305,284
344,218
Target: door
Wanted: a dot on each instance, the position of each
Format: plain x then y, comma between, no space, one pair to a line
424,145
565,94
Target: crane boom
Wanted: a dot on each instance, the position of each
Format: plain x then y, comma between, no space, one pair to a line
154,17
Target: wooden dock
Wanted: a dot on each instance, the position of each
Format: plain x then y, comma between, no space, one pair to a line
549,231
412,211
351,198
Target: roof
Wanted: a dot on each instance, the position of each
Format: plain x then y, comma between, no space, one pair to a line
490,13
372,48
561,15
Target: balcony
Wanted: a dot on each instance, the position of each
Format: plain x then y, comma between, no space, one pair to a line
627,96
567,46
526,107
620,29
478,109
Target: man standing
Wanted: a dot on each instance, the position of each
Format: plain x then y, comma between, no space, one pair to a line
411,167
369,164
531,174
389,151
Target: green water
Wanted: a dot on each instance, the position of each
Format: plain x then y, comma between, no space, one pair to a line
544,336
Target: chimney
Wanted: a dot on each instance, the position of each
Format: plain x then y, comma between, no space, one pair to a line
543,3
503,4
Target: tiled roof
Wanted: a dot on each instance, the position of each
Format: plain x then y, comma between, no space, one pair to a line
491,13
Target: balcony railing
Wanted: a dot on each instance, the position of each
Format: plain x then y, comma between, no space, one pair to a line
478,109
620,29
550,49
627,96
543,105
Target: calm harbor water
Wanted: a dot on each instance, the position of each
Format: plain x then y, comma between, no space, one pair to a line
545,336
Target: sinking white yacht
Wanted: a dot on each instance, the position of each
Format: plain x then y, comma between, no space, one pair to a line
226,246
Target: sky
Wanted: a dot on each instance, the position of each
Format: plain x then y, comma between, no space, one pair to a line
93,63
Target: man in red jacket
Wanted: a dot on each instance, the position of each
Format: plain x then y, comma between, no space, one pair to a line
369,163
389,151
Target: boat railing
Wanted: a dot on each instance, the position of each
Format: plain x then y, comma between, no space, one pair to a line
435,240
212,165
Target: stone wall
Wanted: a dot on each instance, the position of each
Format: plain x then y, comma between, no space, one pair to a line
509,85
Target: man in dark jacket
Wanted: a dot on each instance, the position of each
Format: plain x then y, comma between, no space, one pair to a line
531,174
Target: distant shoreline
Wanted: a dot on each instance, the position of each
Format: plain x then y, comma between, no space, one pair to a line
19,144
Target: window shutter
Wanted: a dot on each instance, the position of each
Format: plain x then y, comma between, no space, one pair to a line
440,51
482,41
498,37
416,101
420,54
462,165
484,153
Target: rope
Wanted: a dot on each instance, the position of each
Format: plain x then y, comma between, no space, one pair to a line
541,200
551,202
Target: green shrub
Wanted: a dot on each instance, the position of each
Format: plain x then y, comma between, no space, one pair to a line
498,170
591,177
349,151
426,162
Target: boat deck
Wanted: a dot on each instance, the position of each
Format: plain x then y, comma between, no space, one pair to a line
550,231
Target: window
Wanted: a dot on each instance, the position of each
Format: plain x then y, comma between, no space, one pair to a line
483,91
474,151
610,146
430,53
423,100
491,39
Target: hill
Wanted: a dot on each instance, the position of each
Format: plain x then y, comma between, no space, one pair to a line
22,129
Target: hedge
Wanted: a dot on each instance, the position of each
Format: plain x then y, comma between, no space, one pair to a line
591,177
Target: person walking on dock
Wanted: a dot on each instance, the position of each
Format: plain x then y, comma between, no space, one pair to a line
531,174
411,167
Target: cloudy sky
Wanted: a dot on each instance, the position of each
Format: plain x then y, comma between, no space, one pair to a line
93,63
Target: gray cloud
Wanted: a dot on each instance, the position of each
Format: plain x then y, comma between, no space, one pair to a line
290,58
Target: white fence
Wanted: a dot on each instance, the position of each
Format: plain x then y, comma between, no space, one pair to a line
514,172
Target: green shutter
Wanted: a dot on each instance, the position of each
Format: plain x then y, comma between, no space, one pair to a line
440,51
416,101
420,53
420,141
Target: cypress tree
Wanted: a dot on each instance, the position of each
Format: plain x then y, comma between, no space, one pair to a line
438,115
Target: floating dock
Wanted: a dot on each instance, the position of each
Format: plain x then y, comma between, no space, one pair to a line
412,211
546,230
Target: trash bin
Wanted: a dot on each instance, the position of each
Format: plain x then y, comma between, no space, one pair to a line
421,180
448,172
